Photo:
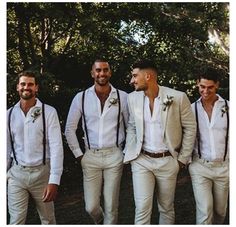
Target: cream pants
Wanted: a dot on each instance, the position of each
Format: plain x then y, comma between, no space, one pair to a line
102,168
25,181
211,189
146,172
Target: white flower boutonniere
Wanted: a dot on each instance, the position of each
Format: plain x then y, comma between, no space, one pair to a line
113,101
167,102
35,113
224,109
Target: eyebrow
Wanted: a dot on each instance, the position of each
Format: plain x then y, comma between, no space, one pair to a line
211,86
30,83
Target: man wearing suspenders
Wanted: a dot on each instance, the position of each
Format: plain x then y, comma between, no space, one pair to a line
209,169
104,115
34,154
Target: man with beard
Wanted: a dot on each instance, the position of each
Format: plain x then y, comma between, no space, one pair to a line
104,115
209,168
34,154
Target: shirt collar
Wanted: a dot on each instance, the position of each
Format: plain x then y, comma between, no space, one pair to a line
159,93
92,89
220,99
38,103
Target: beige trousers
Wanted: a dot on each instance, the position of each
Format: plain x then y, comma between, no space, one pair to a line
102,168
146,172
25,181
210,182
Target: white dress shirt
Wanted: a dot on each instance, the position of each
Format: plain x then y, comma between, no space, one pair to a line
27,135
101,125
212,132
153,131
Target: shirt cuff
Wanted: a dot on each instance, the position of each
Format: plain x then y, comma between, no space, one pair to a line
54,179
77,153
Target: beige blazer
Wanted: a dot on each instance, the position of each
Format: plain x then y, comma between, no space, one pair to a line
177,120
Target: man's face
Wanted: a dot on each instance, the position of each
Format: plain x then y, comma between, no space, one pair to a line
101,73
207,88
27,88
138,79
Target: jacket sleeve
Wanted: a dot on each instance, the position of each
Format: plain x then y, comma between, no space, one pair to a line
131,129
188,123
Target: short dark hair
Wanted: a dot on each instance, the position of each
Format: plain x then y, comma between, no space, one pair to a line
28,74
100,60
209,73
145,64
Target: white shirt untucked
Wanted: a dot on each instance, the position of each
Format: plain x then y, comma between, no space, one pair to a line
212,132
27,135
101,125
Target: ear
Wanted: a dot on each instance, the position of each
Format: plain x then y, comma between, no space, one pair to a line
17,87
217,84
37,88
198,81
147,76
91,72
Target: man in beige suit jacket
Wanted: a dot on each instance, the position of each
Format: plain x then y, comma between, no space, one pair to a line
160,138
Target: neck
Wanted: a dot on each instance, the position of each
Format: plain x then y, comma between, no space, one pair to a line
152,91
102,89
25,105
210,102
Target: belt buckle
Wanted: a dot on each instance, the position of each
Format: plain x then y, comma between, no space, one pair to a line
163,154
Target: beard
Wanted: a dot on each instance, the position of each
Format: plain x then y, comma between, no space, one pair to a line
140,88
102,81
26,96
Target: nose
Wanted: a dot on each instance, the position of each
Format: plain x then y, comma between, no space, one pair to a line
26,86
131,80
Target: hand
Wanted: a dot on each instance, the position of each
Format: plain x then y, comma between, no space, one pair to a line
181,165
50,193
79,158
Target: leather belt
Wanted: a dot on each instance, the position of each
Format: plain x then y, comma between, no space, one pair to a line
157,155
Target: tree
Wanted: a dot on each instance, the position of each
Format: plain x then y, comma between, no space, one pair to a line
61,40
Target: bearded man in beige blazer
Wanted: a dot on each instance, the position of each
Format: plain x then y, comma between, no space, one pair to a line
160,138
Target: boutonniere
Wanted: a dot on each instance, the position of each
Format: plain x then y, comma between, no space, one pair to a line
113,101
224,109
35,113
167,102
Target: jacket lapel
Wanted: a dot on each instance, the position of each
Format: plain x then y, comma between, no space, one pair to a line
139,108
164,114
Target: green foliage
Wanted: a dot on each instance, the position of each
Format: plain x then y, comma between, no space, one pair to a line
61,40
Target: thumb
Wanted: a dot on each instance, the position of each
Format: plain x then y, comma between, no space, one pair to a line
44,194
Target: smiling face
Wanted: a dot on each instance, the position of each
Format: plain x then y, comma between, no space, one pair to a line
101,73
138,79
27,87
207,89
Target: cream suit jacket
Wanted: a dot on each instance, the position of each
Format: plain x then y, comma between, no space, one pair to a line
177,120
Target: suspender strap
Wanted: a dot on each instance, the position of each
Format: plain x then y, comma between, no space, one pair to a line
85,125
11,139
227,131
118,119
198,132
44,134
